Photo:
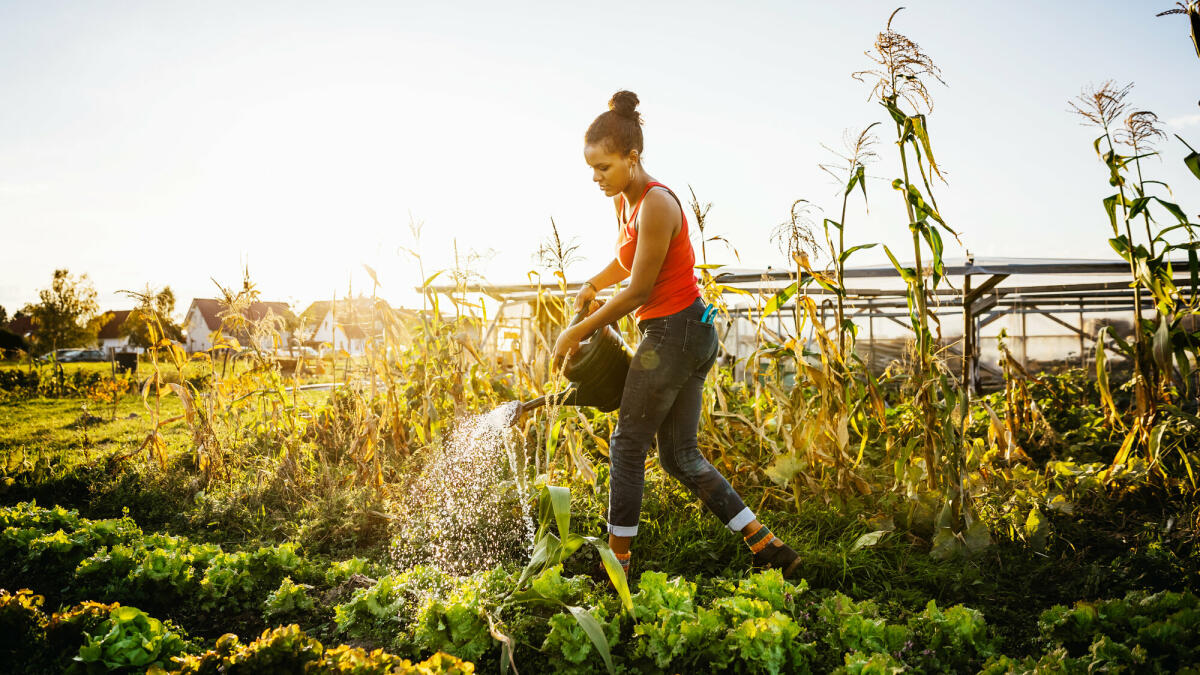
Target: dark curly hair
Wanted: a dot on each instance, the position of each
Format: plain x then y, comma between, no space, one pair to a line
620,127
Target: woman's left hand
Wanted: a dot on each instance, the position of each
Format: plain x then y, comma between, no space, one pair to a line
567,344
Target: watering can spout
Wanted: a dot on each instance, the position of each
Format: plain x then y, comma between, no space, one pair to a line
564,397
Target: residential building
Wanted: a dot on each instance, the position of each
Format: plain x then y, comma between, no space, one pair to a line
111,339
203,320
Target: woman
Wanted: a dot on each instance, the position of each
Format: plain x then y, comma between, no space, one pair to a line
662,393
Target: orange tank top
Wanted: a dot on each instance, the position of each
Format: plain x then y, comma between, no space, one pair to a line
675,288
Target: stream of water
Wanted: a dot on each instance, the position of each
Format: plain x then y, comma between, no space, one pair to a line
470,508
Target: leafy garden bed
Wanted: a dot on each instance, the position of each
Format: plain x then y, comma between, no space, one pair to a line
112,581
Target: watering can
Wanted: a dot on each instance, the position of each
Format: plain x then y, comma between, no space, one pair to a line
596,372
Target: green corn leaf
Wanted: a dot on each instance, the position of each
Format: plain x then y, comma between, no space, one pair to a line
560,502
1162,345
571,543
545,548
859,178
1174,209
779,299
846,254
1162,234
894,110
1110,207
594,632
1183,363
1193,163
616,573
1121,344
907,273
1180,413
1120,244
922,208
1139,205
832,222
935,245
919,130
1156,435
1102,373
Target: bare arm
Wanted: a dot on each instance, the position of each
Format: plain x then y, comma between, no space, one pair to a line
660,220
608,276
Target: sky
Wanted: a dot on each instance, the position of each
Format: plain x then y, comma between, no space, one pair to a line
173,143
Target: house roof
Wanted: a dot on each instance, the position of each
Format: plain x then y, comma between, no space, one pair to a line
21,325
112,328
348,309
211,308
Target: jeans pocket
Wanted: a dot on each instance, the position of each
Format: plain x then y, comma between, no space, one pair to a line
700,341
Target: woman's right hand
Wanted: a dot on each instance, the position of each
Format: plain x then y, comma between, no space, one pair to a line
585,297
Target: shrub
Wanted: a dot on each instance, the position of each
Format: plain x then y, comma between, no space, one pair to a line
22,622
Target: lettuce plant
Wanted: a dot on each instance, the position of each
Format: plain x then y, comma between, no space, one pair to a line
130,639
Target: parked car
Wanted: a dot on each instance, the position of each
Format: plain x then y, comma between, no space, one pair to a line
75,355
91,355
60,355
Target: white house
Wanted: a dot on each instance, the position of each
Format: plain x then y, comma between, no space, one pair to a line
110,339
203,319
355,320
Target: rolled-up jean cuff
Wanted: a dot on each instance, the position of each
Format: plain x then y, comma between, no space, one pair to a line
625,530
742,519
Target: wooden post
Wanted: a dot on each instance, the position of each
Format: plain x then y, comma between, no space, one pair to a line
975,384
1082,352
1024,338
968,341
870,335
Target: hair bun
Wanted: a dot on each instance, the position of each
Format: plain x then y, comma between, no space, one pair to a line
624,103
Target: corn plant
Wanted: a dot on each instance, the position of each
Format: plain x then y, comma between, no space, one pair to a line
899,76
831,393
148,312
1162,347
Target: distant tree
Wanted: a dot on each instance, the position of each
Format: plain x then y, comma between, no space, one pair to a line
66,313
11,343
3,315
154,308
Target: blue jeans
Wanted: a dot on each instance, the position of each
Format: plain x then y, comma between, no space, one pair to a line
662,396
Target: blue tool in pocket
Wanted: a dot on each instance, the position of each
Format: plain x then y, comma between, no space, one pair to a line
709,314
